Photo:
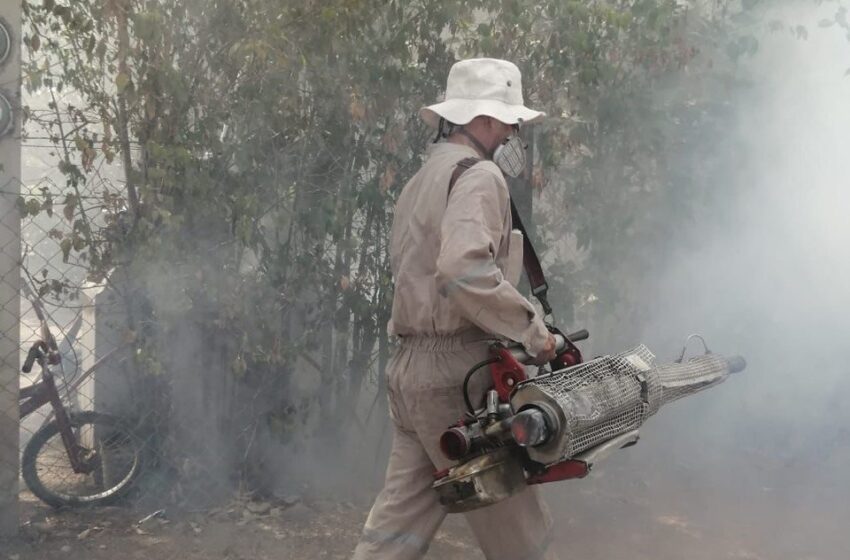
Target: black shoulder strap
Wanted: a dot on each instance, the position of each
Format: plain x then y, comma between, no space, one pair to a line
460,168
530,260
531,263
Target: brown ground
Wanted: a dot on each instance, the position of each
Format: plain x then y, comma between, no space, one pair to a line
675,509
242,530
605,526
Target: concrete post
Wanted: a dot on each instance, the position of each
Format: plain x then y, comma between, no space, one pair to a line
10,257
86,339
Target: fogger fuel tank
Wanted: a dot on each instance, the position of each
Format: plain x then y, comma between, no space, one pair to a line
561,423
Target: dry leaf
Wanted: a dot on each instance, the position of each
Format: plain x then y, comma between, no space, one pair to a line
538,180
356,108
391,140
387,178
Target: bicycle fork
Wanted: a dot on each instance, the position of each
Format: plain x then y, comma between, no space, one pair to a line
80,464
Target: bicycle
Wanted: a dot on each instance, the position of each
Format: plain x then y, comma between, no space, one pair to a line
77,458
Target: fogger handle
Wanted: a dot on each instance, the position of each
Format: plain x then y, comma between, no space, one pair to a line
520,355
579,335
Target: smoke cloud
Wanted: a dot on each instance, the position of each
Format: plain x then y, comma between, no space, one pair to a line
757,467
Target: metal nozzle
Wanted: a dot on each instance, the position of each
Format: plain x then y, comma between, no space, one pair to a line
455,443
529,427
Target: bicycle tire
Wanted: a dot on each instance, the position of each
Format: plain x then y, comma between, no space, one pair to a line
105,496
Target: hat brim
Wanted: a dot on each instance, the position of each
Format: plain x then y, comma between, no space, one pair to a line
461,111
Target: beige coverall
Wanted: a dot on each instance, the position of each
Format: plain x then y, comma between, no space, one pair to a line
455,269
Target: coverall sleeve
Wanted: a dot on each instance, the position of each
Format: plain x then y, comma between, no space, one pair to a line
467,273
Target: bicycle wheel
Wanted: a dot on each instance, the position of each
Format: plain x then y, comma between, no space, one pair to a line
111,451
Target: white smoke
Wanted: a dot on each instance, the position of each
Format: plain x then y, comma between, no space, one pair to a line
757,467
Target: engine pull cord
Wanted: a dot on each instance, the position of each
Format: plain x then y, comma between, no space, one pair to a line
469,375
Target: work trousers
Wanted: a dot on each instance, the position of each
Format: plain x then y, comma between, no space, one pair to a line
424,380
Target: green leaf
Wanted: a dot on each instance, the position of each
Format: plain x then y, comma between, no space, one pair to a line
70,207
122,80
100,51
66,245
33,207
239,367
47,205
63,12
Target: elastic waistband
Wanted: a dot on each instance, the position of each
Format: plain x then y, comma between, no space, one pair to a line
444,343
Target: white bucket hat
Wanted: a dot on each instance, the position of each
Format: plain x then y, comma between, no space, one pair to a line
482,86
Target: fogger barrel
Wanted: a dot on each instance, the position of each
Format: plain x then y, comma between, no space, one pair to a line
586,405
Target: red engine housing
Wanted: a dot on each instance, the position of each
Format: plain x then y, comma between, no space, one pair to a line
507,373
561,471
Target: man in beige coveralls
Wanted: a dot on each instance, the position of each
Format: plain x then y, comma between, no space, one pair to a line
455,262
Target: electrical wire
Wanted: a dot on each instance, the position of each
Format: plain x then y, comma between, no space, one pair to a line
469,375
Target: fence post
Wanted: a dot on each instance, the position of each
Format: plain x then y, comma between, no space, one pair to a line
86,340
10,258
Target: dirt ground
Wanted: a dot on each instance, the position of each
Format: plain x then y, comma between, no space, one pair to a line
654,508
606,526
240,530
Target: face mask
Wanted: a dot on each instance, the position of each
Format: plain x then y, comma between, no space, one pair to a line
510,156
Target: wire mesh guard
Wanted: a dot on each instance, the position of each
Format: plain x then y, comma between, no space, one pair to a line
608,396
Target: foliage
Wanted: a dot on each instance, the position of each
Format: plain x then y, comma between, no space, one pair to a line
261,145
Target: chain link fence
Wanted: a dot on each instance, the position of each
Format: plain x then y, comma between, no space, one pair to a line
77,332
54,294
92,365
88,421
179,441
186,432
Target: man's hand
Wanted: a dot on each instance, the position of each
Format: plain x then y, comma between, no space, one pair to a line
547,353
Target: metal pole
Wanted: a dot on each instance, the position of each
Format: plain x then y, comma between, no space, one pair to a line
10,259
